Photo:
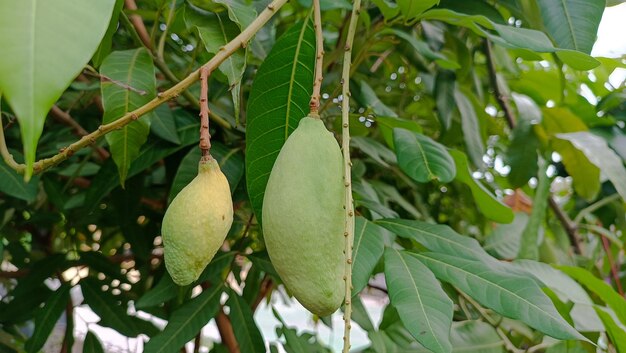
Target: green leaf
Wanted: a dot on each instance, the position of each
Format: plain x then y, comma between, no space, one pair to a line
577,22
386,124
423,49
422,158
616,333
369,99
128,84
475,337
104,48
374,149
487,203
423,306
47,317
601,155
526,41
230,161
368,248
586,176
445,86
529,247
216,30
606,293
410,9
470,127
521,155
106,306
388,8
504,240
279,98
246,331
508,294
39,62
360,315
163,124
108,178
165,290
186,322
97,261
239,12
438,238
92,344
13,184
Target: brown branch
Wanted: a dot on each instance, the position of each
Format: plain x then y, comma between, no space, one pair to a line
614,267
265,288
503,100
196,342
65,118
69,313
225,329
138,24
205,135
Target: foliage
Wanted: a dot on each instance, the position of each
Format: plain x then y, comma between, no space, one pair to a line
488,153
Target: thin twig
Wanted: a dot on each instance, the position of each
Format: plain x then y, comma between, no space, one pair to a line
314,105
612,264
226,51
225,329
205,135
138,23
503,101
347,172
495,323
595,206
67,119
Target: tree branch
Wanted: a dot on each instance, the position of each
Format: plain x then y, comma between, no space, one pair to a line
138,24
226,51
225,329
347,172
503,100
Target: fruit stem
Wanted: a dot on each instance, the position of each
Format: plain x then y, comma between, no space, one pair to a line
347,164
314,105
205,135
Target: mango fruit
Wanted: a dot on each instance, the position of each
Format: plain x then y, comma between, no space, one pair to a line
196,223
303,217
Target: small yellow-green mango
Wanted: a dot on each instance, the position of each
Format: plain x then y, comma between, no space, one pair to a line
196,223
304,219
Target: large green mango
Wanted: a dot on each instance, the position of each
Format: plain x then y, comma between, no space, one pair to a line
304,219
196,223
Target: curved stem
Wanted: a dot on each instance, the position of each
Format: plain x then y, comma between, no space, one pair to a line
314,105
170,16
226,51
347,166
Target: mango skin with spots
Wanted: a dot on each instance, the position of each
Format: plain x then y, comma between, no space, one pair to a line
304,217
196,223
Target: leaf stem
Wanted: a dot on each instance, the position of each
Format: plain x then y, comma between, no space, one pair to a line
347,165
205,134
314,105
226,51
